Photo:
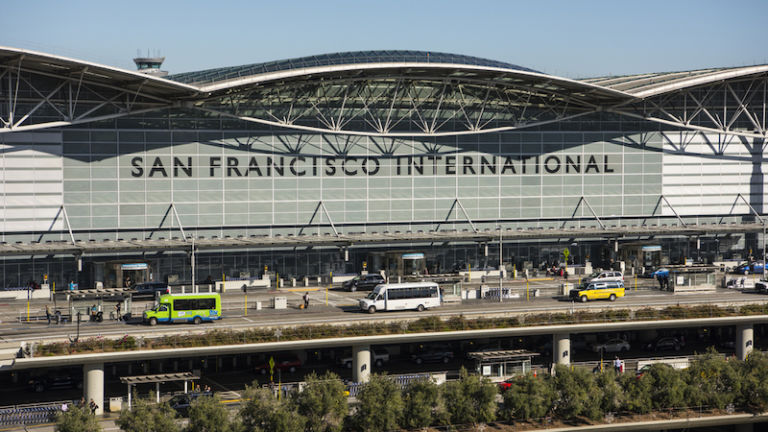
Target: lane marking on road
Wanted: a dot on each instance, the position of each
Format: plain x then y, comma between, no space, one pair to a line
224,388
248,319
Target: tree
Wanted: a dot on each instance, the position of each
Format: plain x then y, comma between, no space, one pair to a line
612,394
422,400
668,389
471,399
77,419
754,386
263,412
380,405
147,416
324,403
577,394
207,414
637,393
529,398
712,381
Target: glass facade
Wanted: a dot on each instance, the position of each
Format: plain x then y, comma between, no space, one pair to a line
203,170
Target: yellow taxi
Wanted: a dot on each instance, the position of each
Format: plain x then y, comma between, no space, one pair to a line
598,290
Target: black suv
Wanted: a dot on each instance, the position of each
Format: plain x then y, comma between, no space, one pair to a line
368,281
148,289
58,380
181,402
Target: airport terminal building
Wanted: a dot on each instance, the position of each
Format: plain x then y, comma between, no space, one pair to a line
401,161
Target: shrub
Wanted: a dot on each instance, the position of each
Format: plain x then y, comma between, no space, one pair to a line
146,416
471,399
380,405
421,403
323,402
577,394
529,398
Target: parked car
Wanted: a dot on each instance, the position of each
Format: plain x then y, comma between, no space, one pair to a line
363,282
181,402
506,384
606,276
665,344
754,267
660,272
611,346
379,356
150,289
57,380
289,364
433,355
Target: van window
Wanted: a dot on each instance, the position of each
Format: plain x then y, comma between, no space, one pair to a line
194,304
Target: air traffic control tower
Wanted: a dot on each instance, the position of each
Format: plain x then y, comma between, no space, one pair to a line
150,65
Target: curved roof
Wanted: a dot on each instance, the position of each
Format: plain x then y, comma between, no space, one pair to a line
343,58
93,73
652,84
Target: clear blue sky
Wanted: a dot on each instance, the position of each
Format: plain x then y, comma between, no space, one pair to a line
566,38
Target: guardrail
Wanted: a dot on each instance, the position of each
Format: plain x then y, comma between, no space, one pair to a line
31,414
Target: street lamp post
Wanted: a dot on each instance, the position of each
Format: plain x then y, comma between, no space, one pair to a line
501,263
192,262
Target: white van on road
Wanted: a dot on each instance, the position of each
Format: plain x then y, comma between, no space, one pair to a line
414,295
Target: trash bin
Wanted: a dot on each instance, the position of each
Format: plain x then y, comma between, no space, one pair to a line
115,404
280,302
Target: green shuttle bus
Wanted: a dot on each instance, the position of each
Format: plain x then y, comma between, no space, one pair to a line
189,308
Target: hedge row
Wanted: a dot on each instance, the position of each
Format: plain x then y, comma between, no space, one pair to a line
429,324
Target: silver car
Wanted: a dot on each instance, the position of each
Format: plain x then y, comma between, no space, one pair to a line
611,346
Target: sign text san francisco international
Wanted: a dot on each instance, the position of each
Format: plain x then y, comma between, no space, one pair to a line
300,166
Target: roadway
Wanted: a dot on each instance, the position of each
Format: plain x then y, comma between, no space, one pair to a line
340,308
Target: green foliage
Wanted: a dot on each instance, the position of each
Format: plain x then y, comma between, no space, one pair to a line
77,419
422,400
207,414
668,389
712,381
611,392
529,398
577,394
263,412
754,386
471,399
381,405
637,393
324,403
147,416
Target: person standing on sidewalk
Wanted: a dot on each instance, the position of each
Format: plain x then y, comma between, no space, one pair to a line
306,300
48,314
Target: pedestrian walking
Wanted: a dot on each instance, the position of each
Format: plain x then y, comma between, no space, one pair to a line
617,364
48,314
117,312
92,405
64,407
306,300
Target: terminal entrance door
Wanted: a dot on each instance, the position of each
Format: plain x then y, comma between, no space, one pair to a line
124,274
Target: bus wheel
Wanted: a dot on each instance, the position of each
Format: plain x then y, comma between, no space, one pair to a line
197,320
153,321
372,309
420,308
612,297
583,299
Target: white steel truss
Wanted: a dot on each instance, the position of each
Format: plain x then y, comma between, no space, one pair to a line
732,107
400,106
34,99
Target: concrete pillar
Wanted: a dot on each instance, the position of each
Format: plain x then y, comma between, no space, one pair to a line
561,349
94,385
744,341
361,363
